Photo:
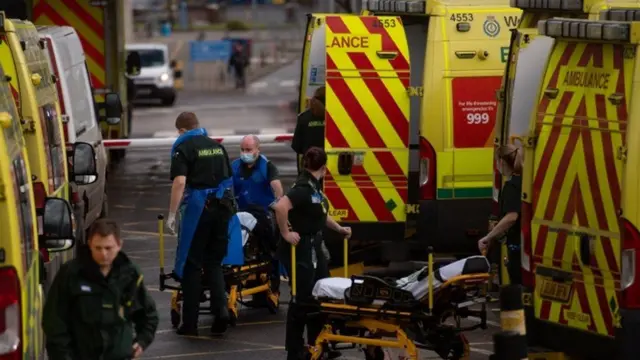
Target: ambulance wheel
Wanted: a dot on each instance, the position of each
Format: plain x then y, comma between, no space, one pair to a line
376,354
273,303
175,318
117,155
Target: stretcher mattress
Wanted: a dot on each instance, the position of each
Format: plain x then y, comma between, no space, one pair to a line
416,283
247,223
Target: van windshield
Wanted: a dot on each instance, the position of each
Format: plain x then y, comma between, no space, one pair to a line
150,58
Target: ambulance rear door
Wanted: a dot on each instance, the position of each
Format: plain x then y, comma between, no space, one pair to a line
367,118
526,65
580,130
312,67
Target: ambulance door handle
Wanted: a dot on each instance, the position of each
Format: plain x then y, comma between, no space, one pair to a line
345,162
616,99
551,93
388,55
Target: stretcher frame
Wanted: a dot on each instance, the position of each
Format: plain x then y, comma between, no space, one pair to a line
359,317
235,277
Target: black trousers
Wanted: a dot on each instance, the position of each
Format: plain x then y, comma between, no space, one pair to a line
299,308
208,248
514,265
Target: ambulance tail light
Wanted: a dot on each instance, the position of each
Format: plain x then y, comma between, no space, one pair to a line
585,29
394,6
427,170
10,315
629,260
526,248
567,5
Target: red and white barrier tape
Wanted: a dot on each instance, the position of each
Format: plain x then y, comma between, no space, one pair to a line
168,142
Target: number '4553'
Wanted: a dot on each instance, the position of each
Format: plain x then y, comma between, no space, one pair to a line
385,23
459,17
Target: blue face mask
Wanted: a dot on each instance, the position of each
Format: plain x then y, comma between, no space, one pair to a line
247,158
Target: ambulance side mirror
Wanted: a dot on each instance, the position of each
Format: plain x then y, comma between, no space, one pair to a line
83,164
112,108
57,225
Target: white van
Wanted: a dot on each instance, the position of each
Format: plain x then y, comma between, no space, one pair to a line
67,61
156,78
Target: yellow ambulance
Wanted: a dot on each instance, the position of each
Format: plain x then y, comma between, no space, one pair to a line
21,294
410,112
33,87
525,64
581,208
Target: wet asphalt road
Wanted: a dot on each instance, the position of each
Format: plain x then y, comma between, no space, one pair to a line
138,190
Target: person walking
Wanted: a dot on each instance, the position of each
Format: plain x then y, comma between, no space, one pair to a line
508,228
301,215
309,131
238,62
203,190
96,302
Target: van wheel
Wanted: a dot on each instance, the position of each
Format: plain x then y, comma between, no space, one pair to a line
169,100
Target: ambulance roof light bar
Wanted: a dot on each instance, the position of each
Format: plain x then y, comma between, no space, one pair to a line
620,15
566,5
585,29
396,6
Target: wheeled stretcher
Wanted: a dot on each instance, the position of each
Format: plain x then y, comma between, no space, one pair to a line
423,310
255,277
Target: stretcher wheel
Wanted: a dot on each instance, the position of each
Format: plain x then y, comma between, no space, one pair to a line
175,318
273,303
233,318
376,354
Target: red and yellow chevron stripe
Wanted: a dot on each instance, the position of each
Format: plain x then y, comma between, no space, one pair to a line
367,112
577,183
87,20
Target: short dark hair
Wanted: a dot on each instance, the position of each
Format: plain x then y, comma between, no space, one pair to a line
104,227
187,120
314,158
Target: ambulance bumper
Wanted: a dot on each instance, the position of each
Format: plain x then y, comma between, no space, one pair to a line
549,336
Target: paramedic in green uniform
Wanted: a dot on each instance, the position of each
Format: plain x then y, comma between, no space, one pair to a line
305,208
309,131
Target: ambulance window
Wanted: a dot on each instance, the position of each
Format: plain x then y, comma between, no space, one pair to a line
53,140
82,109
530,66
23,195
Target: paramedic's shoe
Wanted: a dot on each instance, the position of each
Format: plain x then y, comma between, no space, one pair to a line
184,331
219,326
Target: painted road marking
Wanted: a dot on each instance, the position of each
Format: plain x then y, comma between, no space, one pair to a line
221,352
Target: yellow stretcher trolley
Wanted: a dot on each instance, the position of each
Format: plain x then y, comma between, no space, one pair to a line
423,310
258,278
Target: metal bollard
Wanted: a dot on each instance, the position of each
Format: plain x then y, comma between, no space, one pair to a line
506,346
512,319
